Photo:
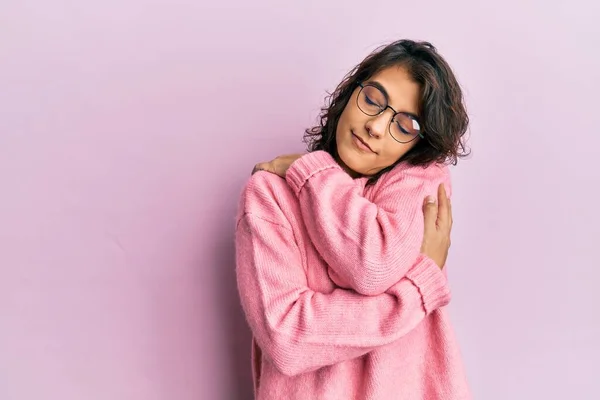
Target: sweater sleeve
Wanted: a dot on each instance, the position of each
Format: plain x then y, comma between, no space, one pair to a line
369,245
300,330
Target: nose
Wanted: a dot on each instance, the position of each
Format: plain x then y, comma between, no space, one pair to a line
377,125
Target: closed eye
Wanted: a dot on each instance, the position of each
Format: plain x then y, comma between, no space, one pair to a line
402,128
371,102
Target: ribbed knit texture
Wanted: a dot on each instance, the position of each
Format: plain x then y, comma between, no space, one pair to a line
341,302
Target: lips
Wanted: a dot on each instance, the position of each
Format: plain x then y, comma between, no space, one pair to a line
363,142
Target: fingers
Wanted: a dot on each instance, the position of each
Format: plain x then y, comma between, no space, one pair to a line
430,212
448,207
444,215
260,167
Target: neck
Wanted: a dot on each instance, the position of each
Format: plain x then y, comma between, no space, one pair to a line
349,171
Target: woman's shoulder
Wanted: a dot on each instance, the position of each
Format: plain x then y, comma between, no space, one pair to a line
266,195
433,171
406,175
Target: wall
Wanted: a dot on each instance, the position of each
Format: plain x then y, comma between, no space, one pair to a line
128,127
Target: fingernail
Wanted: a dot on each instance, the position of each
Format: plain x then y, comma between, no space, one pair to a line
430,199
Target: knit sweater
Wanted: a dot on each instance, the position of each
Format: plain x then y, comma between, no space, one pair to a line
341,303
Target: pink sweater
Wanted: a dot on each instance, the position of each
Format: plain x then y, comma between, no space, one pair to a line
341,303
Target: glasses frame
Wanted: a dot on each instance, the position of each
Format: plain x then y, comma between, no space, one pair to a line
382,110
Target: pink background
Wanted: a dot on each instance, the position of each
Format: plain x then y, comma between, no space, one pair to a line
128,127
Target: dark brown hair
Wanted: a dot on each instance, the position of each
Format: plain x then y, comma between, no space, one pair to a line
443,116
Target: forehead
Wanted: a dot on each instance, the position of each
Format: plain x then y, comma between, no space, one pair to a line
404,93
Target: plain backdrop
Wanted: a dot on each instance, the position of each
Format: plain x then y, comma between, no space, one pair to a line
127,129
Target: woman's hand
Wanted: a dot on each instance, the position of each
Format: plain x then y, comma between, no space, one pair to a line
279,165
438,224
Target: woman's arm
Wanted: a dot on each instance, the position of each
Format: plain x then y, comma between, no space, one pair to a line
301,330
369,246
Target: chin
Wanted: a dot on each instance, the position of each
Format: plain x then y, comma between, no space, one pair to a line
354,162
351,162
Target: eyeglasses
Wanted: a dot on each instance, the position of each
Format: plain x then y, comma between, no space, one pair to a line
403,128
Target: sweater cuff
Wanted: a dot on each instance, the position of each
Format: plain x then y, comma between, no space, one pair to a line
431,282
306,166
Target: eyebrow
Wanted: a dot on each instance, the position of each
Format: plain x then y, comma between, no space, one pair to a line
387,97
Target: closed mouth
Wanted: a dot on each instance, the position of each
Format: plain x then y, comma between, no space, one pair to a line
363,142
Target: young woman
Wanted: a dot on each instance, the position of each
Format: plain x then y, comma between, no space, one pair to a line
340,263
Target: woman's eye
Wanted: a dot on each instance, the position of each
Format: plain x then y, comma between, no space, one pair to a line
371,102
406,132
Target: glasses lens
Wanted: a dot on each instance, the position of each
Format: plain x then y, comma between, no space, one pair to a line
404,128
371,100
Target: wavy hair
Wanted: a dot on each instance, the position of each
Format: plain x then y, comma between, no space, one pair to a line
443,118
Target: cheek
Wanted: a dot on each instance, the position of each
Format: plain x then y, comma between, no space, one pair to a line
344,118
343,125
395,150
351,116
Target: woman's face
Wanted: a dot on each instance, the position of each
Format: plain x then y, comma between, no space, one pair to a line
355,126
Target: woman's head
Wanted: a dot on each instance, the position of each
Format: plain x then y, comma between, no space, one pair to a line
402,101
